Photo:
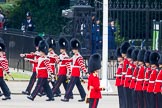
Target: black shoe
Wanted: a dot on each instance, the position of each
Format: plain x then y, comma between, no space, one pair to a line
65,100
57,95
6,98
50,99
25,93
71,97
81,100
30,98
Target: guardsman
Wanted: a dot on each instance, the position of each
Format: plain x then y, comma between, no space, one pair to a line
140,78
54,59
158,84
94,88
123,50
154,57
32,58
64,65
77,64
4,67
118,79
44,70
147,76
128,76
134,76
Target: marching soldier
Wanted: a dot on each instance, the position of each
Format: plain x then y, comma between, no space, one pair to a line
4,67
147,76
54,59
133,79
44,70
94,88
158,84
77,64
118,79
32,58
140,78
123,51
64,66
154,57
128,76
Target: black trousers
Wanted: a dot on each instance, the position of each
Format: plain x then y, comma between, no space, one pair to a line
70,86
134,99
129,97
93,103
61,80
152,100
121,97
4,87
159,100
42,82
140,99
125,97
31,82
146,99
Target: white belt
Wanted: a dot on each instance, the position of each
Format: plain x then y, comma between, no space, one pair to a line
139,79
146,79
124,73
151,81
62,65
40,68
75,66
133,78
158,81
118,75
52,64
128,76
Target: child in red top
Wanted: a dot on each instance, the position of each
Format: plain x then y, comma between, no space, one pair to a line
94,89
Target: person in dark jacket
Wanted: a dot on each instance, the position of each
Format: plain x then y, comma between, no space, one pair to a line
111,35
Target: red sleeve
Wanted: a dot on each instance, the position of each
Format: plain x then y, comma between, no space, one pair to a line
4,64
31,56
49,68
81,64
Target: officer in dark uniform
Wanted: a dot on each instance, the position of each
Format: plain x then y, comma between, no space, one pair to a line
28,24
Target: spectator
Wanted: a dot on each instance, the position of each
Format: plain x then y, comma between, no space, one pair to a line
98,34
1,19
111,35
93,33
28,24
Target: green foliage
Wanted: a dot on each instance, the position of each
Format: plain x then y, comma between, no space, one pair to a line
45,13
118,38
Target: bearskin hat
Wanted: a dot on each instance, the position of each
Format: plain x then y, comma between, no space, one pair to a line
94,63
129,51
2,47
124,46
43,46
75,44
118,54
51,43
154,57
63,43
146,57
37,40
140,56
1,40
135,54
160,60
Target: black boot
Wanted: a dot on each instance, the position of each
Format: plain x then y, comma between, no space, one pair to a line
81,100
65,100
6,98
25,93
30,98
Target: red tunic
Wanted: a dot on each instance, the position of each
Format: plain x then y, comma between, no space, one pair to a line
53,60
140,79
3,66
133,81
64,64
119,75
124,70
94,81
152,79
158,83
33,58
128,75
146,79
78,63
43,67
